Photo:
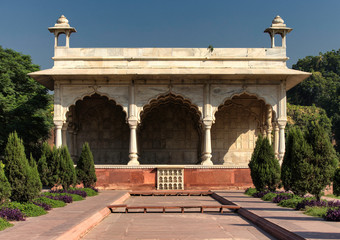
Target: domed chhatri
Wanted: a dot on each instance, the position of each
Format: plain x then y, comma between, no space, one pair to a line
278,27
62,27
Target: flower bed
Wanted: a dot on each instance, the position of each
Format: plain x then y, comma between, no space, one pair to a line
329,210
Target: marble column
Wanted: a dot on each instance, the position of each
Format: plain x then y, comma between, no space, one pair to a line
269,123
282,144
58,136
64,134
206,156
133,151
133,123
276,140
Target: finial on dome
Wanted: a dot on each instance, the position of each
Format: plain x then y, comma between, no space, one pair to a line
278,22
62,20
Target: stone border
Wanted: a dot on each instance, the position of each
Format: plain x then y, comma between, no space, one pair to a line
79,230
267,226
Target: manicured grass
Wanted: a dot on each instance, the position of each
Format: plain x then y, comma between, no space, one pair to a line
28,209
4,224
90,192
53,203
316,211
250,191
75,197
269,196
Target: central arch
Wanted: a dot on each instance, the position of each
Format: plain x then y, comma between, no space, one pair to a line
170,131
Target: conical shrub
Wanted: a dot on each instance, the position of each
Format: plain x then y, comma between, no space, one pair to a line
17,170
296,169
85,167
34,183
67,173
43,169
323,162
264,167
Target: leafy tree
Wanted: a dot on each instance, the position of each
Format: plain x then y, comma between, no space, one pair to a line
24,103
295,170
85,167
264,167
323,161
336,182
43,169
322,88
5,187
18,170
67,173
303,116
34,183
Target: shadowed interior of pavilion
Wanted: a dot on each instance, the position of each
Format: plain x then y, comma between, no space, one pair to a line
170,130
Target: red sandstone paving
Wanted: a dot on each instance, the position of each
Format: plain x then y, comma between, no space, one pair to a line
294,221
60,220
190,225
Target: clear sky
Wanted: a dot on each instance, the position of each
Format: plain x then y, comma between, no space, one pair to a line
171,23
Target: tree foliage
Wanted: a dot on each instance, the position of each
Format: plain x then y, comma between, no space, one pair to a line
24,103
18,171
295,169
44,171
66,172
322,88
264,167
85,167
5,187
34,183
323,162
303,116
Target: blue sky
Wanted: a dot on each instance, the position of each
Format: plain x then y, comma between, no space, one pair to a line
172,23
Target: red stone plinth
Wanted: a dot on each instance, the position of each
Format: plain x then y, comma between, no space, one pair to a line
194,178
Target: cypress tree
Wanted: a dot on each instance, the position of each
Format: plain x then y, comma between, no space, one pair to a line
296,169
67,173
34,183
17,169
264,167
43,169
323,162
5,187
53,163
85,167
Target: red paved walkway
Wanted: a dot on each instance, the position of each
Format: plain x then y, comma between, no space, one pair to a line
188,225
60,220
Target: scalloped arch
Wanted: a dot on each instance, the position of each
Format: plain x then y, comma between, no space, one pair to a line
239,94
257,118
164,98
81,98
